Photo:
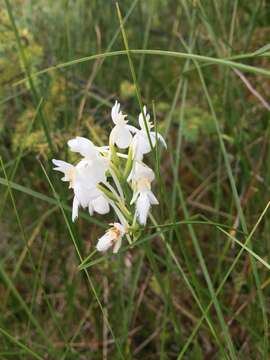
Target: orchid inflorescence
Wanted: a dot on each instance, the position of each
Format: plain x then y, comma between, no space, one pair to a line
105,178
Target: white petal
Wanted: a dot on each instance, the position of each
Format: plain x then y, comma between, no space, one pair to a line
142,208
62,166
75,208
82,194
101,205
153,200
117,245
92,172
138,146
113,135
117,116
67,169
90,208
143,119
105,242
114,111
143,171
143,144
132,129
83,146
153,138
121,136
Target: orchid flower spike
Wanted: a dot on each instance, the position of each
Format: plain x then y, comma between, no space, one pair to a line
141,177
112,237
121,134
83,182
91,188
141,144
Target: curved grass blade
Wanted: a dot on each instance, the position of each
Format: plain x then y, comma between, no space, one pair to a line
154,52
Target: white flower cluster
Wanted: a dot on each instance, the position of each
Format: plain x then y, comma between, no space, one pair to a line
105,178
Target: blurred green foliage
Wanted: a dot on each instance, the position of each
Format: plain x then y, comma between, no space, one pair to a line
151,309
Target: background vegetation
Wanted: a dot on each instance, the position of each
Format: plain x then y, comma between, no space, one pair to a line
189,289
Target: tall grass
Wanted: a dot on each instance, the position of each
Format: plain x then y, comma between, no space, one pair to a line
195,285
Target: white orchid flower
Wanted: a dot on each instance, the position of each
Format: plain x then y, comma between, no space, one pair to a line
121,134
99,204
141,144
112,237
141,177
97,164
83,179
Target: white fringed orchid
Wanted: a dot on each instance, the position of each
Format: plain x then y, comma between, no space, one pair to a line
93,187
83,180
112,237
121,134
141,144
141,178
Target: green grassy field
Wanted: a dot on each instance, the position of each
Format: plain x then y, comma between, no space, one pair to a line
195,284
